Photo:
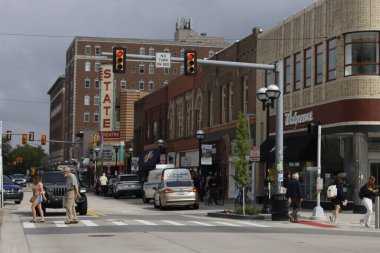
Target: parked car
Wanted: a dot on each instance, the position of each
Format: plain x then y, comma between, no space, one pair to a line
55,188
19,179
12,191
127,185
176,189
153,180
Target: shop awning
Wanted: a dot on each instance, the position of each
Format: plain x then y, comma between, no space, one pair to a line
296,148
149,158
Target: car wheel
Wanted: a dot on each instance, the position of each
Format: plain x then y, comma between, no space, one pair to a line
145,200
161,206
17,202
82,209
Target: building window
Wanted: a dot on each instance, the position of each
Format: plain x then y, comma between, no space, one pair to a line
87,49
96,100
150,85
86,100
166,82
211,53
96,84
361,54
307,68
133,69
297,71
87,66
87,83
141,85
151,69
180,119
230,101
142,51
96,117
331,60
86,117
288,69
268,77
123,84
142,68
151,51
319,64
97,50
97,66
166,71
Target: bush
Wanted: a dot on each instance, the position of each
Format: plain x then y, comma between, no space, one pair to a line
248,210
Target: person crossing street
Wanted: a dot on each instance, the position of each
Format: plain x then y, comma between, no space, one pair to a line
72,193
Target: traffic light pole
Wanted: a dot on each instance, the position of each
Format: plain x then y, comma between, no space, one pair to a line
1,167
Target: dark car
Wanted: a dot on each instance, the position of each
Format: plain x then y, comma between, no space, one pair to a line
55,188
19,179
127,185
12,191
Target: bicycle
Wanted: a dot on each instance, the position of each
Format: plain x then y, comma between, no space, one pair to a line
239,198
213,195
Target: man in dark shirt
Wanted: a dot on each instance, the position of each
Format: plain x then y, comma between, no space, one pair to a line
293,192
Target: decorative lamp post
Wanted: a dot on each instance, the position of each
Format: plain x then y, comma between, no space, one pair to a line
160,143
130,152
96,151
267,97
200,135
116,147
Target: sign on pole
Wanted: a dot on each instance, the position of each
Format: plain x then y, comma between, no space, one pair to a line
163,60
254,154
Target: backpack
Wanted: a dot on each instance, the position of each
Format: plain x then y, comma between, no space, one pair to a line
361,192
332,191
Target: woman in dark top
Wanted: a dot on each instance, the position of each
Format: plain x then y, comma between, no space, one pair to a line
368,192
337,200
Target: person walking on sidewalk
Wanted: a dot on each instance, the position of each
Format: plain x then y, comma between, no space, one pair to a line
337,200
367,192
72,192
293,192
103,184
38,196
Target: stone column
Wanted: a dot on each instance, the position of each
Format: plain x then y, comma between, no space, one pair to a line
360,161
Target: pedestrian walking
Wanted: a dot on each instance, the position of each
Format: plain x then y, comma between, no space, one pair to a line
103,184
338,199
38,196
294,193
367,192
72,193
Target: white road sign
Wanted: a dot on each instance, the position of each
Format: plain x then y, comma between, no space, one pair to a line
163,60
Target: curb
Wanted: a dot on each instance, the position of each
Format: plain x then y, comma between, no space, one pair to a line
236,216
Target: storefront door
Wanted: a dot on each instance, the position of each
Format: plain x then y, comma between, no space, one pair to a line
375,171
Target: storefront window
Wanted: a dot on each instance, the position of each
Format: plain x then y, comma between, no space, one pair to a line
362,53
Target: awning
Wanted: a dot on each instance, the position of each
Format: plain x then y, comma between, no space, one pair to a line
296,148
149,158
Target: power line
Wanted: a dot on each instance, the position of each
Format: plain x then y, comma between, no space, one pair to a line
24,101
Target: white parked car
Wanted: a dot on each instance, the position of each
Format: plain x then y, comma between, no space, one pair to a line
153,180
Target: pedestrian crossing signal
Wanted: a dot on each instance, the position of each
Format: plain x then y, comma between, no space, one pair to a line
31,136
190,62
119,61
9,135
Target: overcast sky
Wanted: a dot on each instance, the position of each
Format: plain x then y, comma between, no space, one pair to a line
34,36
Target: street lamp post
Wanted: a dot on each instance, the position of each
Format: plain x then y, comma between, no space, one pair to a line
200,135
130,152
96,150
160,143
116,147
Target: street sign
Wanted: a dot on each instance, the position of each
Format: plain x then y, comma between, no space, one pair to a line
163,60
254,154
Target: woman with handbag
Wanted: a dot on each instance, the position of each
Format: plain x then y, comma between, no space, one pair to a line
339,199
38,196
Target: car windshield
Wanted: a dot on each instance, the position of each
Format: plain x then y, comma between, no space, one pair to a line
179,183
18,176
129,178
7,180
53,178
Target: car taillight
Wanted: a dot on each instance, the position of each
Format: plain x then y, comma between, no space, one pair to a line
195,189
167,191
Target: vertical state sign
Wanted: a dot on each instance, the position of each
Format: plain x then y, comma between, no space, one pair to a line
106,97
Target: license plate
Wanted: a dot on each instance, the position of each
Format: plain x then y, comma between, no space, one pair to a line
181,193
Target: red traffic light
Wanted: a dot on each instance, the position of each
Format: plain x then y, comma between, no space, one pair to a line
190,56
119,60
190,62
119,53
24,139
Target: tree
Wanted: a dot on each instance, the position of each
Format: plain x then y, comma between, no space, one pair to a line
24,157
6,151
239,160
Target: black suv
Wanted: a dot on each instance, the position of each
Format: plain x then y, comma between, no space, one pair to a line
55,188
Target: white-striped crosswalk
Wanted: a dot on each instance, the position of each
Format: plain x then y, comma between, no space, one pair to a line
140,222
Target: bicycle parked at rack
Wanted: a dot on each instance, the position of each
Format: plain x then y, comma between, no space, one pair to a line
213,195
239,198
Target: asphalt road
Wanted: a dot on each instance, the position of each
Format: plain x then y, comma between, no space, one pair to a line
128,225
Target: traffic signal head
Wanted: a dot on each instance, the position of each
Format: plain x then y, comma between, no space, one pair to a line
119,62
9,135
24,139
190,62
31,136
43,139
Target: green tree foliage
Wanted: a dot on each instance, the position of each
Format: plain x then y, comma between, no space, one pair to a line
239,160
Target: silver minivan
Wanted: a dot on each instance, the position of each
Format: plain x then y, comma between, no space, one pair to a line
153,180
176,189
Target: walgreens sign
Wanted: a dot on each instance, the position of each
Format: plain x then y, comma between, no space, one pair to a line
293,118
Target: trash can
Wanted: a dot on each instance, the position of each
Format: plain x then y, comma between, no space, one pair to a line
279,207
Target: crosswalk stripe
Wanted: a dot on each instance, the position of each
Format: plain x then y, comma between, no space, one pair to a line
60,224
228,224
146,222
119,223
89,223
173,223
254,224
202,223
28,225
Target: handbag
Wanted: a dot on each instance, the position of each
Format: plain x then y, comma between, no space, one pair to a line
32,199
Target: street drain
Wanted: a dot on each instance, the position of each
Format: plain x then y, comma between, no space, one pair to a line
101,235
